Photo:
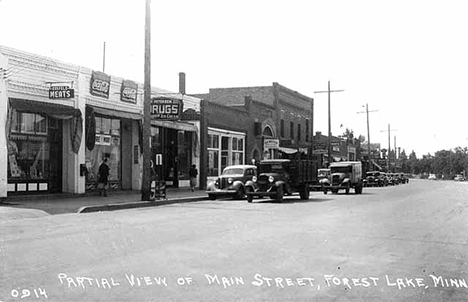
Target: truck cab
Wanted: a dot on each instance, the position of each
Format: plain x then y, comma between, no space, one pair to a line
344,176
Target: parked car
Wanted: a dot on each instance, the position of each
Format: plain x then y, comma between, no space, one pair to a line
231,182
432,177
373,179
322,174
459,177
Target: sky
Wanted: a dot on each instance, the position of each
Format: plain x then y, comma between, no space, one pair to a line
407,60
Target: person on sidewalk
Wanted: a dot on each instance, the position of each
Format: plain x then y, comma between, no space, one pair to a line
193,172
103,179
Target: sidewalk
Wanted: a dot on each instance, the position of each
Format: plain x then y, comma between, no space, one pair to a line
92,202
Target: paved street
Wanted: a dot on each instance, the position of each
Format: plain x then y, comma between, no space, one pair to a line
402,243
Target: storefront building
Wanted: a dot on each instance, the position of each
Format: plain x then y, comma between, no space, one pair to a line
59,121
254,123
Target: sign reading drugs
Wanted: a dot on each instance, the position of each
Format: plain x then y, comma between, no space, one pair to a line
166,109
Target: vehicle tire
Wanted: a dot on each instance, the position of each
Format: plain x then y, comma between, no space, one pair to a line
347,189
240,194
211,197
279,194
334,191
249,198
304,193
358,189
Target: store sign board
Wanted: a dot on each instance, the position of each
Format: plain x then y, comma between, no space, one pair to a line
100,84
128,91
61,92
270,144
166,109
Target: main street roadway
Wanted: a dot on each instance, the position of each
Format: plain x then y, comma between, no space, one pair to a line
402,243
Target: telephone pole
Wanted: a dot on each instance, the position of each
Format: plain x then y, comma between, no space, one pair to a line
146,181
329,119
389,147
369,166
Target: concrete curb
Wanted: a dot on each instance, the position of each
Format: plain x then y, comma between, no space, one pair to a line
137,204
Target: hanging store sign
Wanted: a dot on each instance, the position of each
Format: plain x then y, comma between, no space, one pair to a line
166,109
270,144
100,84
61,92
128,92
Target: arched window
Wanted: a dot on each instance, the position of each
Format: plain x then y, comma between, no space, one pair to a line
267,132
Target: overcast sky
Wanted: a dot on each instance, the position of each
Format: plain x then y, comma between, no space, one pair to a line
406,59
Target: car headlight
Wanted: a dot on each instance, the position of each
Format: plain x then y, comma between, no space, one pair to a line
254,178
271,179
230,180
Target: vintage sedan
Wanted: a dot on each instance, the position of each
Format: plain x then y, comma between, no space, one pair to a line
231,182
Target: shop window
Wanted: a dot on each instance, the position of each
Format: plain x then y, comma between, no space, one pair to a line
298,132
307,130
282,128
213,163
291,130
224,152
107,145
28,147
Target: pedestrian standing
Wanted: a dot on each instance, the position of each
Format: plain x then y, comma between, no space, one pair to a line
193,172
103,180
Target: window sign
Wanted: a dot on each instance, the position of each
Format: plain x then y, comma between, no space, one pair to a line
100,84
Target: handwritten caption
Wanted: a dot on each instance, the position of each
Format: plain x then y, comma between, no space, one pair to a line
258,280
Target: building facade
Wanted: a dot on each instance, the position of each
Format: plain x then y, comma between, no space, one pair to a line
59,121
254,123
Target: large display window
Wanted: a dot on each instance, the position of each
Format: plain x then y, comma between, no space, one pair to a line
225,148
34,153
107,145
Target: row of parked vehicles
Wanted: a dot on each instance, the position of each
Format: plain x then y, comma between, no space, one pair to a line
383,179
275,178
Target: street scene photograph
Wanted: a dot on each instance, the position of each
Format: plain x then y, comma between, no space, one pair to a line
233,151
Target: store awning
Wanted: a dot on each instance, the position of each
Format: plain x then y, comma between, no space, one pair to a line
287,150
115,113
174,125
52,109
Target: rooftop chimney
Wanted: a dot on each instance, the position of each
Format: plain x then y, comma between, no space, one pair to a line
182,82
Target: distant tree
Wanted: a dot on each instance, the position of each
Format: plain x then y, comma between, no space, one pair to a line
413,163
403,162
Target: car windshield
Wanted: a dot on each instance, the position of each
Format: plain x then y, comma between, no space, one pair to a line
322,173
346,169
373,174
233,171
270,168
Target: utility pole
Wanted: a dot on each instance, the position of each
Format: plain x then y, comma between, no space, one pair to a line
389,147
369,166
329,119
146,181
104,57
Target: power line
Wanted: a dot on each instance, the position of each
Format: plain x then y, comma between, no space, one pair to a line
370,167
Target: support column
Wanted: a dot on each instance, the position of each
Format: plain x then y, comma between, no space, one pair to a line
3,120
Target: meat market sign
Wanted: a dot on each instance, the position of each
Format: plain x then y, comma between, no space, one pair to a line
61,92
166,108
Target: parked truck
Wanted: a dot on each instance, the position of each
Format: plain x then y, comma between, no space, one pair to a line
277,177
344,176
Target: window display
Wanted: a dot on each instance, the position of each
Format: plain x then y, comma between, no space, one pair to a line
107,145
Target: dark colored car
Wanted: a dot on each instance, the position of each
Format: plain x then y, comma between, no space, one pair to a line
373,179
231,182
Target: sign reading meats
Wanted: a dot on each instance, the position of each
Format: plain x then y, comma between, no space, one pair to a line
100,84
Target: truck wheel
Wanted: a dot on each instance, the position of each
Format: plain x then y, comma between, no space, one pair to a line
249,198
347,189
239,194
211,197
279,194
304,192
334,191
